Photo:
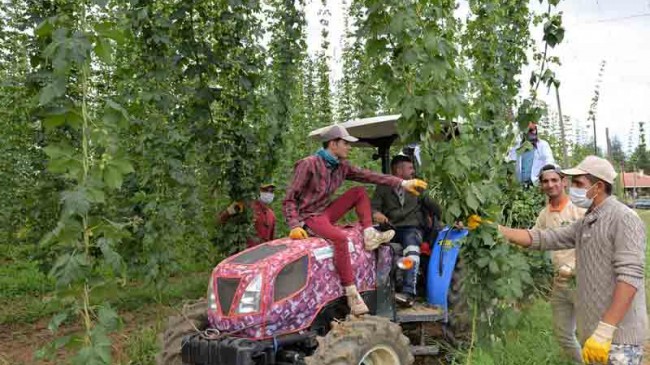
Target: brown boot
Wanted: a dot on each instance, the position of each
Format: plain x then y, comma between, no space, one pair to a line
355,302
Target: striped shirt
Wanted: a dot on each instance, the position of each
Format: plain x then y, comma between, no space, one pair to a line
313,185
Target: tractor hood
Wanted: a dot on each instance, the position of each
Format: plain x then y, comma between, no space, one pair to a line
279,286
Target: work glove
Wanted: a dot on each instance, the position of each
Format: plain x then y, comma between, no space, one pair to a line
234,208
596,348
414,185
298,234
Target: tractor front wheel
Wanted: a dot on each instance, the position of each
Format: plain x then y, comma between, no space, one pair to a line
366,340
193,317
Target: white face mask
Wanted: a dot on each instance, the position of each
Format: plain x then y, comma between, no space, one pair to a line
579,197
266,197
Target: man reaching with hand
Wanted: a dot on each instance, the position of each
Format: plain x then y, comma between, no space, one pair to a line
610,265
308,205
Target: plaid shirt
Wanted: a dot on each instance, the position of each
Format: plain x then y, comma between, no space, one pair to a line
313,184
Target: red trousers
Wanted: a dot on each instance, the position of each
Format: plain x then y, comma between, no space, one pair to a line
323,226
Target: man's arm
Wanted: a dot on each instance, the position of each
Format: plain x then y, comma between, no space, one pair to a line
629,265
547,152
623,295
301,175
366,176
377,205
520,237
548,240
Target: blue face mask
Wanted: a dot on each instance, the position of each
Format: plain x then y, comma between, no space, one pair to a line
578,197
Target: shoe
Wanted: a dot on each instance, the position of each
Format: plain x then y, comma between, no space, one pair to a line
355,302
373,238
405,299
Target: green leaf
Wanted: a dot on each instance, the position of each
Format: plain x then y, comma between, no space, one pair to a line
454,210
56,321
101,345
494,267
54,121
123,166
58,151
487,238
471,200
483,262
108,318
464,160
110,30
112,177
51,91
95,195
45,28
75,202
104,50
112,258
69,268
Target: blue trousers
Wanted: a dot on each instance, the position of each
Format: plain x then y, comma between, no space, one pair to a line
410,239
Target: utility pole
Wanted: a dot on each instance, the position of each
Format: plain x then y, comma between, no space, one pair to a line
565,154
609,145
594,103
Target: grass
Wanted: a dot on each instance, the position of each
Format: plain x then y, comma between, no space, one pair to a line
531,342
142,346
29,308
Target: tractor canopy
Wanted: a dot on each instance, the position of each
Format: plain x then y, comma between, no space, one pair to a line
381,132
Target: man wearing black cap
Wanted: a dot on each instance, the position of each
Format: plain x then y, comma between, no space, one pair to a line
308,203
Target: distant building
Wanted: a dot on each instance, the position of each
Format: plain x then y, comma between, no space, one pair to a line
638,181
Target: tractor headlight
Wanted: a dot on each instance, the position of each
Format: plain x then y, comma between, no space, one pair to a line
250,300
212,298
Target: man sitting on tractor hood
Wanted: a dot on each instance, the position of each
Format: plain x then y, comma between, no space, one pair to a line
409,215
308,204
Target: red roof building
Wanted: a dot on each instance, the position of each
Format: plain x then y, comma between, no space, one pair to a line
636,179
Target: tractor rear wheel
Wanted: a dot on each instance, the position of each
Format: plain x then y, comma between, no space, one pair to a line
366,340
194,317
458,329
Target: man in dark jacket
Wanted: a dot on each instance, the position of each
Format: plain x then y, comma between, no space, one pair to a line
410,215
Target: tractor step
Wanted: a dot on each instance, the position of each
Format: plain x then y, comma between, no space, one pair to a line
419,312
424,350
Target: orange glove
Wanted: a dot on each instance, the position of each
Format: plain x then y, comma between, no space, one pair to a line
298,234
414,185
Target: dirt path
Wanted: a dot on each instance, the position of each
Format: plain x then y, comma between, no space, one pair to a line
19,342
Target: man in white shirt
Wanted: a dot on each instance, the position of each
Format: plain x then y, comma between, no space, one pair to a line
531,155
560,211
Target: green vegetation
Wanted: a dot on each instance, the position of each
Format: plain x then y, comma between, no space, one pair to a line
126,126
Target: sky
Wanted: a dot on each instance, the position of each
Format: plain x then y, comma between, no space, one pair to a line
616,31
